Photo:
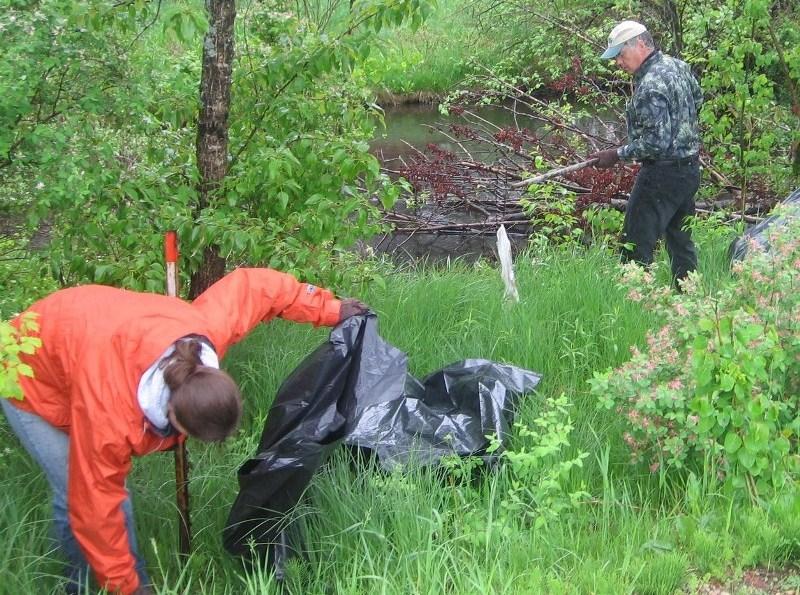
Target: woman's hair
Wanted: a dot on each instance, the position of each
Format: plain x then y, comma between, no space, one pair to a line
205,401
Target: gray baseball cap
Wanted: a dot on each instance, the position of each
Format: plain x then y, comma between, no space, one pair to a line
625,31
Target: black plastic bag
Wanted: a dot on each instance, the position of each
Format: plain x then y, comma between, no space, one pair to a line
356,389
303,426
450,412
789,207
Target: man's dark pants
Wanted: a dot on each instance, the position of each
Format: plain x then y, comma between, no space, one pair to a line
661,200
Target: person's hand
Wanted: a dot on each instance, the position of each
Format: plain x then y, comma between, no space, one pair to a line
605,159
352,307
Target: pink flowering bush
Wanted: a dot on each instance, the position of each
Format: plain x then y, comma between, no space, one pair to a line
719,382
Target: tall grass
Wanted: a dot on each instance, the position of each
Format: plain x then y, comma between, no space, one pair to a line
438,55
433,57
418,531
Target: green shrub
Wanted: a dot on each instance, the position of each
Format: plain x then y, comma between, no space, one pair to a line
718,383
538,468
15,341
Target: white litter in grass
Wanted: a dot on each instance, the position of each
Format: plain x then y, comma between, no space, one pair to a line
506,265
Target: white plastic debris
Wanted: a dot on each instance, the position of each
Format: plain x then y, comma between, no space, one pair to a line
506,265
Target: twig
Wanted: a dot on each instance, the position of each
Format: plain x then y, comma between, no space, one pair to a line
452,138
554,172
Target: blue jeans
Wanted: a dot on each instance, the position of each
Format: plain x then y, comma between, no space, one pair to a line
49,447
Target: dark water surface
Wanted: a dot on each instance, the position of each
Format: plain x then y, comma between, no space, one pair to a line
411,126
408,130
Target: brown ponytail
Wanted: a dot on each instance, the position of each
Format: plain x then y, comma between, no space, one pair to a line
205,401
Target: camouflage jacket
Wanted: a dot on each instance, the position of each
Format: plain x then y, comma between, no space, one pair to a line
662,114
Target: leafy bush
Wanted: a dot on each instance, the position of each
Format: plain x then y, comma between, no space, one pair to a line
98,128
719,383
747,129
13,342
538,468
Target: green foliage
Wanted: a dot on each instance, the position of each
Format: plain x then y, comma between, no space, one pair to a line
552,211
106,138
447,47
535,474
745,127
718,383
663,573
57,58
538,41
23,276
539,469
605,224
15,341
558,221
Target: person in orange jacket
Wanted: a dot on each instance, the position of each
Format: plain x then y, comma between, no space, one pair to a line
121,374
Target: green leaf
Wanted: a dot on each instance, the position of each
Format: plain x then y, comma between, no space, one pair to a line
757,437
754,408
702,406
706,424
732,442
782,446
25,370
726,382
746,459
283,201
706,324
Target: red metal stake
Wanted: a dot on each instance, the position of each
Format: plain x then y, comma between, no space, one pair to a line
181,459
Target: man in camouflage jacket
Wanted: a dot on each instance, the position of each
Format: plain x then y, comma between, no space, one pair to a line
663,137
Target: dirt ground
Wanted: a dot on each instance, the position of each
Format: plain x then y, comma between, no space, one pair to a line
758,581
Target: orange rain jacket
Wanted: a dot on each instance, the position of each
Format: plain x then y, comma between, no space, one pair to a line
96,343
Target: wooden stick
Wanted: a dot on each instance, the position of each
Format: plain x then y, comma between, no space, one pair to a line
554,172
181,459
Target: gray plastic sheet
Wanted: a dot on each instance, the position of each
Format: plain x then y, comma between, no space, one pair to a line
786,209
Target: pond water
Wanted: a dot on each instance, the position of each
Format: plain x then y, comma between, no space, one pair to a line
408,130
413,126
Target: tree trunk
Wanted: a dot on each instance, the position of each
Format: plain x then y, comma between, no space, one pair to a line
212,127
672,15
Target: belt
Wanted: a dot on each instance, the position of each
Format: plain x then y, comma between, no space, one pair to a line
690,160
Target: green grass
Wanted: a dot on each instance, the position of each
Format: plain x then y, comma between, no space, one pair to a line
416,532
435,57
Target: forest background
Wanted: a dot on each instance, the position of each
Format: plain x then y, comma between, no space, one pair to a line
102,122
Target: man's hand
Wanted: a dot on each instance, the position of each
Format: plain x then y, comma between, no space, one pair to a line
352,307
605,159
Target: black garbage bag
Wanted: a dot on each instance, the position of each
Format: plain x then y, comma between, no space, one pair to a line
306,421
789,207
450,412
355,389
